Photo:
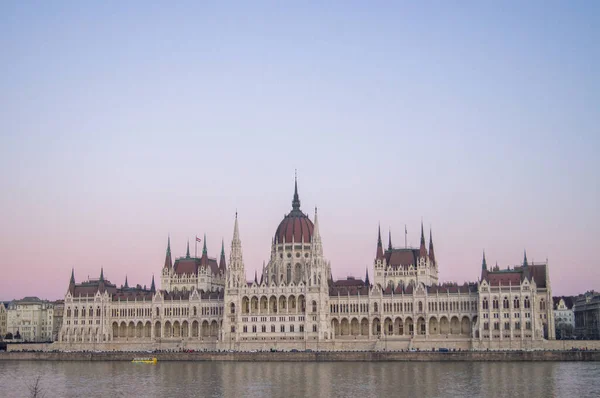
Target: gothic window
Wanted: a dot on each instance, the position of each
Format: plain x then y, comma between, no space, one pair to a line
68,312
314,328
495,303
374,307
542,305
76,312
516,303
505,303
506,325
195,311
282,328
420,306
314,306
289,273
485,304
272,328
264,328
486,326
527,304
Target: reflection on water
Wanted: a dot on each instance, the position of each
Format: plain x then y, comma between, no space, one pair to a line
285,379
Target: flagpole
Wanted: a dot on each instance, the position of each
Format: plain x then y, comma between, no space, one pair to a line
405,237
196,247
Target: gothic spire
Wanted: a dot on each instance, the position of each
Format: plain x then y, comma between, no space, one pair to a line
390,239
222,264
379,244
126,284
152,286
483,263
187,253
255,277
72,281
422,249
525,264
168,262
296,200
204,252
431,254
367,277
101,274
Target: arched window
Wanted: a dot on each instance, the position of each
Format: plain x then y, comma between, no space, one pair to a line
98,311
76,312
68,312
542,305
495,303
505,303
375,307
516,303
157,312
420,306
195,311
232,308
527,304
485,304
289,273
314,306
91,311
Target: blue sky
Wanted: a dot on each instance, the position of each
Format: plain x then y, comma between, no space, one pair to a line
121,124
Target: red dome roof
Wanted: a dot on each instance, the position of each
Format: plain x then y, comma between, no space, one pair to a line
296,225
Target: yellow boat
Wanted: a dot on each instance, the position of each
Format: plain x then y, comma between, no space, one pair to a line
151,361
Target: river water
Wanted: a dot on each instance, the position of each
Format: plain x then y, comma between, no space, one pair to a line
291,379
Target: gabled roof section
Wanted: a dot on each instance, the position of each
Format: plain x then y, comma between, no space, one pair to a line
401,258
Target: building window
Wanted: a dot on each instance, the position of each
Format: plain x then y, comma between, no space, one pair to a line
527,304
292,328
264,328
486,326
505,303
495,303
314,328
485,304
282,329
272,328
253,328
245,329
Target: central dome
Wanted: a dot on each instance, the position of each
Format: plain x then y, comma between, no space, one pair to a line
296,226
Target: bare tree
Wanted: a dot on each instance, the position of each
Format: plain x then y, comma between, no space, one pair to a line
35,388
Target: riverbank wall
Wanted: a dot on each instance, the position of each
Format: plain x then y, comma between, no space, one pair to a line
336,356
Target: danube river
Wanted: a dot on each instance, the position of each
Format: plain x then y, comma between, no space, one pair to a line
302,379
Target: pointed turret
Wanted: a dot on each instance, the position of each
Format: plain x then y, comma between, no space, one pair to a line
431,254
525,264
483,263
222,264
204,252
316,233
126,284
72,281
296,200
101,274
187,253
422,248
390,240
367,277
153,286
168,262
255,277
379,255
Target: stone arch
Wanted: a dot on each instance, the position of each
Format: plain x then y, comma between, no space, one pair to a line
364,327
465,326
176,329
301,303
421,326
168,330
273,304
123,329
398,326
131,329
433,326
409,328
344,327
254,305
205,331
282,303
388,326
376,326
195,328
115,330
147,330
454,325
444,325
335,325
157,329
292,305
264,304
214,329
354,327
185,331
139,330
245,305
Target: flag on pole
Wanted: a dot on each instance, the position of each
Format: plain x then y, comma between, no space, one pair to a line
198,239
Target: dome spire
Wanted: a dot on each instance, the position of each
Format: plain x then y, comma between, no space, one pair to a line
296,200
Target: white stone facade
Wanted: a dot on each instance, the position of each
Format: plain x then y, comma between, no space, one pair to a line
31,319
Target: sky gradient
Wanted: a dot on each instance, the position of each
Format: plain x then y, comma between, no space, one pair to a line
121,124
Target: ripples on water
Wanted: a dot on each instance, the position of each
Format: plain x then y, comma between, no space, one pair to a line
286,379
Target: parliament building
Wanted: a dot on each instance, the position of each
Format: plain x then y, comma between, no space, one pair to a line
294,302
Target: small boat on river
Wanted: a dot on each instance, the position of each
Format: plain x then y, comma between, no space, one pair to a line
151,361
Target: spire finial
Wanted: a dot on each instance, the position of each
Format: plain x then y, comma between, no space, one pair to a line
296,200
204,252
379,255
152,286
169,244
126,284
72,276
390,239
187,253
222,247
483,262
525,264
101,274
